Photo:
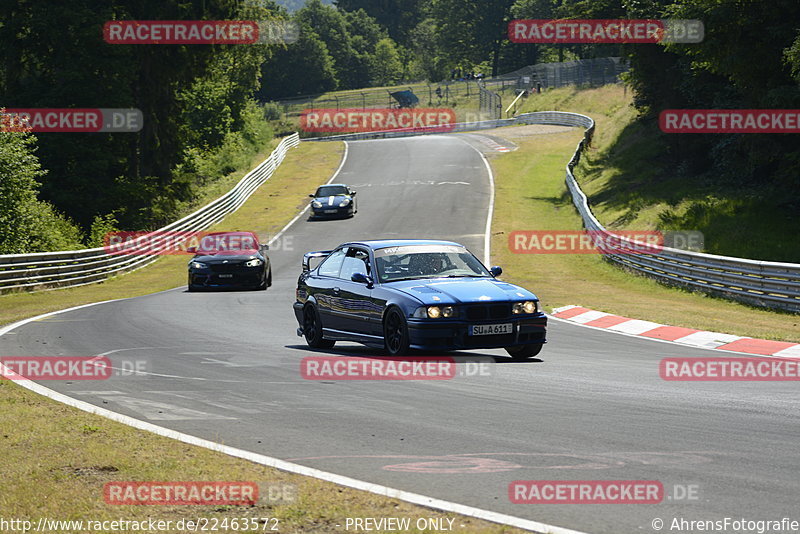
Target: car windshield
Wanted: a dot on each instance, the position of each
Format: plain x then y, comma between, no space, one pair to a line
331,190
427,261
215,243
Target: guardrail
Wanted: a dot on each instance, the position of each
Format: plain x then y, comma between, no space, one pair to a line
50,270
767,284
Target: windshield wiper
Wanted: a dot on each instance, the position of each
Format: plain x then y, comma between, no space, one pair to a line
466,276
407,278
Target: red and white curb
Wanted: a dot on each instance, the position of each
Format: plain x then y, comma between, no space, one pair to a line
677,334
494,145
497,146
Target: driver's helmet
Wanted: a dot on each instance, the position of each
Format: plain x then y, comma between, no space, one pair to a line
428,264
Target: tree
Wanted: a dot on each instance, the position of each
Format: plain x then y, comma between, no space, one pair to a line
400,17
330,25
365,33
27,224
387,67
473,31
431,60
303,67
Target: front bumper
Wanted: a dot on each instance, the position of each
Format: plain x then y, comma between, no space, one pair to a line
428,334
210,280
332,211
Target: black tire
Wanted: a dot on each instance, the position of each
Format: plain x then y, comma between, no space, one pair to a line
267,282
524,352
269,278
312,329
395,333
191,288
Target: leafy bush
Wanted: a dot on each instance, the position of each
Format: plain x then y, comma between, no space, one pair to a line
26,223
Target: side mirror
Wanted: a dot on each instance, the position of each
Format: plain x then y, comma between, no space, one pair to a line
192,250
353,193
264,246
311,195
496,271
361,278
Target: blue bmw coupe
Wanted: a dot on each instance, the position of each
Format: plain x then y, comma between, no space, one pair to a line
414,294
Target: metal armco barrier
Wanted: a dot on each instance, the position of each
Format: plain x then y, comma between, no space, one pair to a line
767,284
79,267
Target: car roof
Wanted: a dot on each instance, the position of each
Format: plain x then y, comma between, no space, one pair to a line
384,243
331,185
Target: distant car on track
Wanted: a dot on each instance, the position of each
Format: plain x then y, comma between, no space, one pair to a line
229,260
414,294
333,200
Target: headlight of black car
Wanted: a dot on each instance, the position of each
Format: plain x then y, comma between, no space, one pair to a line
316,204
254,263
198,265
344,203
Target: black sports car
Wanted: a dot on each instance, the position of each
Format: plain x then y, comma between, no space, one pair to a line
333,200
414,294
229,260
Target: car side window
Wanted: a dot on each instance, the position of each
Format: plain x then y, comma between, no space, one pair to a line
357,261
332,264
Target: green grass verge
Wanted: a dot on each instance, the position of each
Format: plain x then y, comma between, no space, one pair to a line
56,459
531,195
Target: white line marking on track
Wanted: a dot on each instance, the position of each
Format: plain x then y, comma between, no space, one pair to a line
487,234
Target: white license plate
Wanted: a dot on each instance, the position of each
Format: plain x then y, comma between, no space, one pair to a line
491,329
330,211
226,276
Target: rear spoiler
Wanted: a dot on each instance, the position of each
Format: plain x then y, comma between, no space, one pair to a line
308,255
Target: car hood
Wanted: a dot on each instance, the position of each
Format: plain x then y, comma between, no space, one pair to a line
227,255
332,201
461,291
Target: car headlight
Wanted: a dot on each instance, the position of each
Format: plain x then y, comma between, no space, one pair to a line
529,306
344,203
316,204
198,265
434,312
254,263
